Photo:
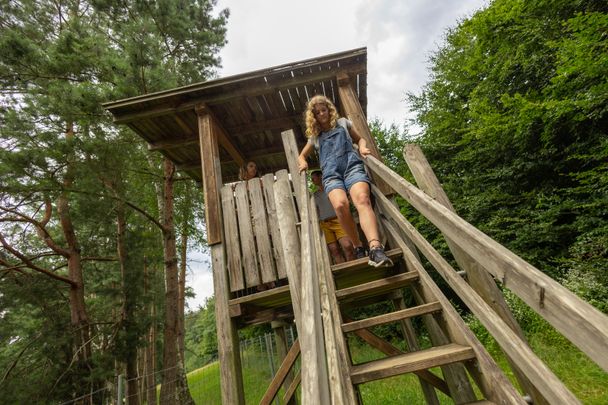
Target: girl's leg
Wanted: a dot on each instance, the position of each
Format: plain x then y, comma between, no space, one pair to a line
339,200
359,192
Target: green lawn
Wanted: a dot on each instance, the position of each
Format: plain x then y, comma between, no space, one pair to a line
585,379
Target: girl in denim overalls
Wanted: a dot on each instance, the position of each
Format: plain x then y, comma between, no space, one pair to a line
343,171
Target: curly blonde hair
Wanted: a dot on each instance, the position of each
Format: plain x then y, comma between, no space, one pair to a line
312,126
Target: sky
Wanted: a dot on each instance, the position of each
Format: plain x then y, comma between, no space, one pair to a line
400,36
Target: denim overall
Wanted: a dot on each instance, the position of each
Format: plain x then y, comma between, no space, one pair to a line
340,162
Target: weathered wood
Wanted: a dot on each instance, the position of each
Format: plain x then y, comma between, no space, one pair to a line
338,362
536,371
576,319
409,333
231,237
395,316
315,384
354,112
262,235
212,176
390,350
281,374
282,349
292,152
490,378
410,362
249,259
262,298
231,378
286,217
273,224
477,277
291,390
376,287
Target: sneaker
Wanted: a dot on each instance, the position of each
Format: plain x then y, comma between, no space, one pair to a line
360,252
378,258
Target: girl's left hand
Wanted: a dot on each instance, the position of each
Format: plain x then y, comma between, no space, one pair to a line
364,151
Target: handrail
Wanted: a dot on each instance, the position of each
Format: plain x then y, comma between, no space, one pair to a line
585,326
315,382
537,372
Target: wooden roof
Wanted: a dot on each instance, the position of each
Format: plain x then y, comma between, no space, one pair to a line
253,109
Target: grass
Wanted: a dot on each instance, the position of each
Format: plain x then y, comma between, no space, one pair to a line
583,377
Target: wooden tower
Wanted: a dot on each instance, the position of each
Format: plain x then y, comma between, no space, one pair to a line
270,263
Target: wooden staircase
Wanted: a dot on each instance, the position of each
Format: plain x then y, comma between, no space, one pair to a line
357,284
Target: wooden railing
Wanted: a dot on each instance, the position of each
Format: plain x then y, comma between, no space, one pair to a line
581,323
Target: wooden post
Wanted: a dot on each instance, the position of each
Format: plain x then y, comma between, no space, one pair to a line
354,112
227,337
212,177
477,277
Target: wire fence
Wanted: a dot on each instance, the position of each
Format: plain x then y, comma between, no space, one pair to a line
260,359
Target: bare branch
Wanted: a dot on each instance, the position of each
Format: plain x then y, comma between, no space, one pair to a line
31,265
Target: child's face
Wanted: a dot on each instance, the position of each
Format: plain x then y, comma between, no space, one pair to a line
252,169
321,113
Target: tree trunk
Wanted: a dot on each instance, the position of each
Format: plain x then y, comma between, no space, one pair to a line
181,304
78,314
128,308
173,375
150,350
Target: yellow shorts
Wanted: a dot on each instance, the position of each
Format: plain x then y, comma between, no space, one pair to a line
332,230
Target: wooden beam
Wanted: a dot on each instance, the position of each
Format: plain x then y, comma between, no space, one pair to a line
579,321
260,88
385,347
354,112
172,144
291,390
231,378
489,377
211,174
281,374
315,383
338,360
478,278
538,373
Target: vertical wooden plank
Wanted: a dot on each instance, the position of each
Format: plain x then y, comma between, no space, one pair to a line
354,112
231,238
338,361
477,277
260,228
291,153
231,378
250,263
315,386
286,216
273,224
230,360
211,175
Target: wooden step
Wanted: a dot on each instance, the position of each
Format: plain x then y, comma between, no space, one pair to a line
358,271
377,287
392,317
481,402
359,264
410,362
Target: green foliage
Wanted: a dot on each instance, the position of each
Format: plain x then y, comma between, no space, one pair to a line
515,119
59,62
